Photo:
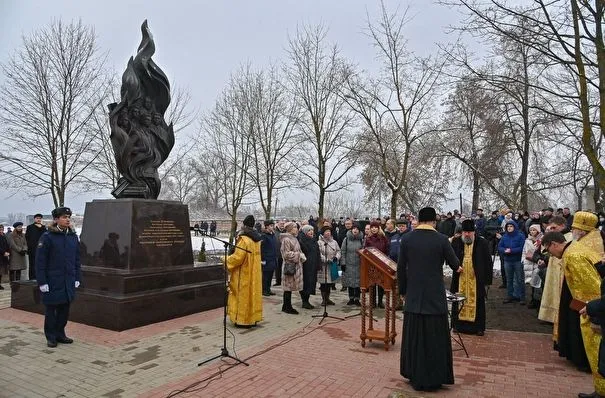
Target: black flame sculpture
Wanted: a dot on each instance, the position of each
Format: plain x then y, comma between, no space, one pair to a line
140,137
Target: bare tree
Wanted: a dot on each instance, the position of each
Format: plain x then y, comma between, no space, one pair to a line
181,183
395,109
315,74
272,137
226,139
474,136
568,36
14,217
53,87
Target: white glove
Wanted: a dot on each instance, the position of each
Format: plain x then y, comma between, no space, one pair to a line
302,257
77,284
44,288
263,263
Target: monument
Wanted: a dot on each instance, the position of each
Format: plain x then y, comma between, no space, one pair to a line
136,253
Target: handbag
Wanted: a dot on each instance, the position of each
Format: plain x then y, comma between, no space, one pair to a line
333,270
289,269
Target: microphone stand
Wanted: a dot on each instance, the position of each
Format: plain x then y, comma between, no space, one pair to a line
224,352
325,314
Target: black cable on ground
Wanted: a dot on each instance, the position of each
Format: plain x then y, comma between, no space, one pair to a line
196,386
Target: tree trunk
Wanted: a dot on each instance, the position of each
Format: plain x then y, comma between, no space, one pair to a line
233,228
476,191
394,200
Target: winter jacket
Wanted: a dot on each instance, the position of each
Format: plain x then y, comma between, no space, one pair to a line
492,226
394,245
378,241
18,246
514,241
448,227
480,226
268,251
350,258
58,264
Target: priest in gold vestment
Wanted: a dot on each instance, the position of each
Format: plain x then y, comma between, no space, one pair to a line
551,293
584,229
473,253
581,283
245,306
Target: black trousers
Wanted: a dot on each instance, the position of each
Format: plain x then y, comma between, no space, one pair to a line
55,319
280,261
32,266
267,276
14,275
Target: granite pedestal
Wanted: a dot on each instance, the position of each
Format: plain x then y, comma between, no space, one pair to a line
137,267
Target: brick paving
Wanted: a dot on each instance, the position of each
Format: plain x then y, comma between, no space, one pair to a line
289,356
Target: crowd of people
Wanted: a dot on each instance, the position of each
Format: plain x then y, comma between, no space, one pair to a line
52,256
205,228
18,244
559,255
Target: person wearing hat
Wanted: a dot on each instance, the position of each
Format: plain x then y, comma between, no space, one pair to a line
402,228
426,347
18,245
584,229
530,265
33,232
350,263
268,252
473,252
578,341
58,274
4,254
244,304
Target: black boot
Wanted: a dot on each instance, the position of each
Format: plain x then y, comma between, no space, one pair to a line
305,301
330,302
357,295
287,305
351,296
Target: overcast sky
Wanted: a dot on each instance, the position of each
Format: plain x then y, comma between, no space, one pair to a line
199,43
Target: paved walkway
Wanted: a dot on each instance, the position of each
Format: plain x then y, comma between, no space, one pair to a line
289,356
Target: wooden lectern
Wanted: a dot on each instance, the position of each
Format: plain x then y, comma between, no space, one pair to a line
378,269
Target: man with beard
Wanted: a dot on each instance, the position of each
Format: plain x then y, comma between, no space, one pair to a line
581,283
4,254
245,306
426,347
473,253
32,235
584,229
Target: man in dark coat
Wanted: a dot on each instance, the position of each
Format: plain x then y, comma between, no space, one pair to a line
5,252
473,253
32,236
58,274
426,347
268,255
342,232
448,226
